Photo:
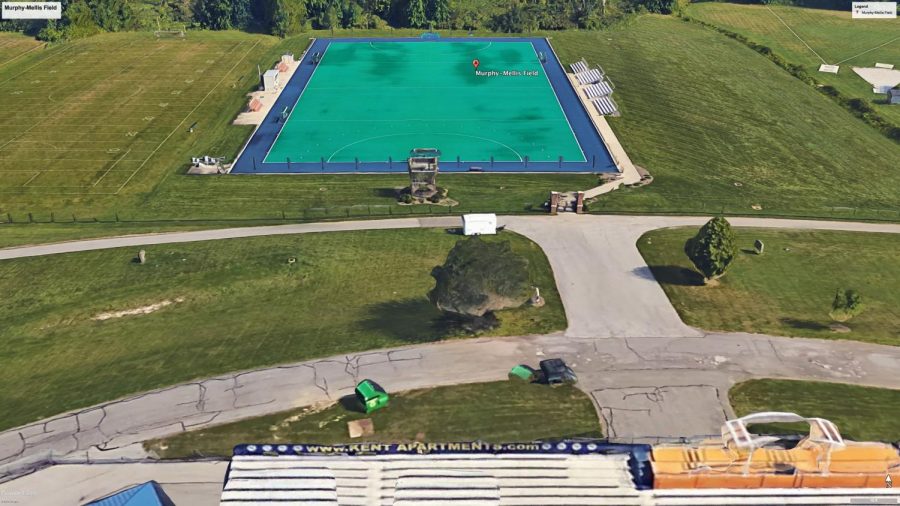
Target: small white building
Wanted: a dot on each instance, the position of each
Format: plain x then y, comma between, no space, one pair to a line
270,80
479,224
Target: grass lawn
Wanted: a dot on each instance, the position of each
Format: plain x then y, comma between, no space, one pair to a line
691,115
832,34
789,289
703,112
861,413
234,304
497,412
14,46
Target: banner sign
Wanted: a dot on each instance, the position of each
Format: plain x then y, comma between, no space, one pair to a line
567,447
31,10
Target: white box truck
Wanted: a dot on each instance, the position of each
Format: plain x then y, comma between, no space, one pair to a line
479,224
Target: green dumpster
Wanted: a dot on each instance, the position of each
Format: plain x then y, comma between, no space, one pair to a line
523,372
371,395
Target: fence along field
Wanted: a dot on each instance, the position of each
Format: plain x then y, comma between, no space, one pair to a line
87,117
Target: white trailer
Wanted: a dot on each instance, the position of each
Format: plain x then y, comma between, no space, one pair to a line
479,224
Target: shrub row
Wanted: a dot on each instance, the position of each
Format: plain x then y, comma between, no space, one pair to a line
857,106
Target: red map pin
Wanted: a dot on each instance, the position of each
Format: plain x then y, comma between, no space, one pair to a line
475,64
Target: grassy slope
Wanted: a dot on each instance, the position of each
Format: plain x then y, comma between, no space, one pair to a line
499,412
861,413
788,290
14,46
243,307
832,34
703,112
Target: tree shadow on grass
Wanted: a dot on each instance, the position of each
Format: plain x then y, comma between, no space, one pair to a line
669,275
413,320
804,324
390,193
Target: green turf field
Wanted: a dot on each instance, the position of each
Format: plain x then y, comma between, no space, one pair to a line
496,412
373,100
826,35
234,304
789,289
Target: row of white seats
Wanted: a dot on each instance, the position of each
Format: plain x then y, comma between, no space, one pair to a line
605,105
579,66
589,77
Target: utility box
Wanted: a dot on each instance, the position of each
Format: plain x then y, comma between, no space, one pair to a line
270,80
479,224
371,395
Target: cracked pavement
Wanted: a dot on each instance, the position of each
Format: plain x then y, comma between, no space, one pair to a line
650,375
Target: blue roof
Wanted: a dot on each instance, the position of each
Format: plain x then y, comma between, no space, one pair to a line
146,494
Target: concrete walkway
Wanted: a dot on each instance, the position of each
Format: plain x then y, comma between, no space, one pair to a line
651,375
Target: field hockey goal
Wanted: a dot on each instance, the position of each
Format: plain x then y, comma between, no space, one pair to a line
169,34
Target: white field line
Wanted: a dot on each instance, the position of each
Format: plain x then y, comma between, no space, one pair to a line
14,58
795,35
111,167
178,126
36,174
868,50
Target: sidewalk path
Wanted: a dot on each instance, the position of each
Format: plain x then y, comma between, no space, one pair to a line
651,375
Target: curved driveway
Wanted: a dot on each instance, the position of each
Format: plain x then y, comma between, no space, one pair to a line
651,375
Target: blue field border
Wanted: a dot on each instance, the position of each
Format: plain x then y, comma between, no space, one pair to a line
598,159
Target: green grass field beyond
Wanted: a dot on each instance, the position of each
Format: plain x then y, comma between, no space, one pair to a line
861,413
832,34
702,112
233,305
373,100
497,412
789,289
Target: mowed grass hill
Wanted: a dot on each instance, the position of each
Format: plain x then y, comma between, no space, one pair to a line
834,35
719,126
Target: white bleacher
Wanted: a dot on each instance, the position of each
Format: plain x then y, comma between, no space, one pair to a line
578,67
600,89
589,76
605,105
461,479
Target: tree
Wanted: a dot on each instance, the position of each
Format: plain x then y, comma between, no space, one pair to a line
713,248
438,12
288,17
213,14
478,278
846,305
415,14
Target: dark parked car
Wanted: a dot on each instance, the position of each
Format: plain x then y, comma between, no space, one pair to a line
556,372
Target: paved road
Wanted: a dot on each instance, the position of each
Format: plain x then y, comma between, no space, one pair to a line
652,375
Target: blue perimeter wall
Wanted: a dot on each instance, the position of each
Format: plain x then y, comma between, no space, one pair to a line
598,158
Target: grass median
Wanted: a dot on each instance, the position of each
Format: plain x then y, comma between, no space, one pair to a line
88,327
789,289
496,412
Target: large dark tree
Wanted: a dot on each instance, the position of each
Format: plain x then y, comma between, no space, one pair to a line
415,14
480,277
713,248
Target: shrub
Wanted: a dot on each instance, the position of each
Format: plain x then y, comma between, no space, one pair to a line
713,248
846,305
